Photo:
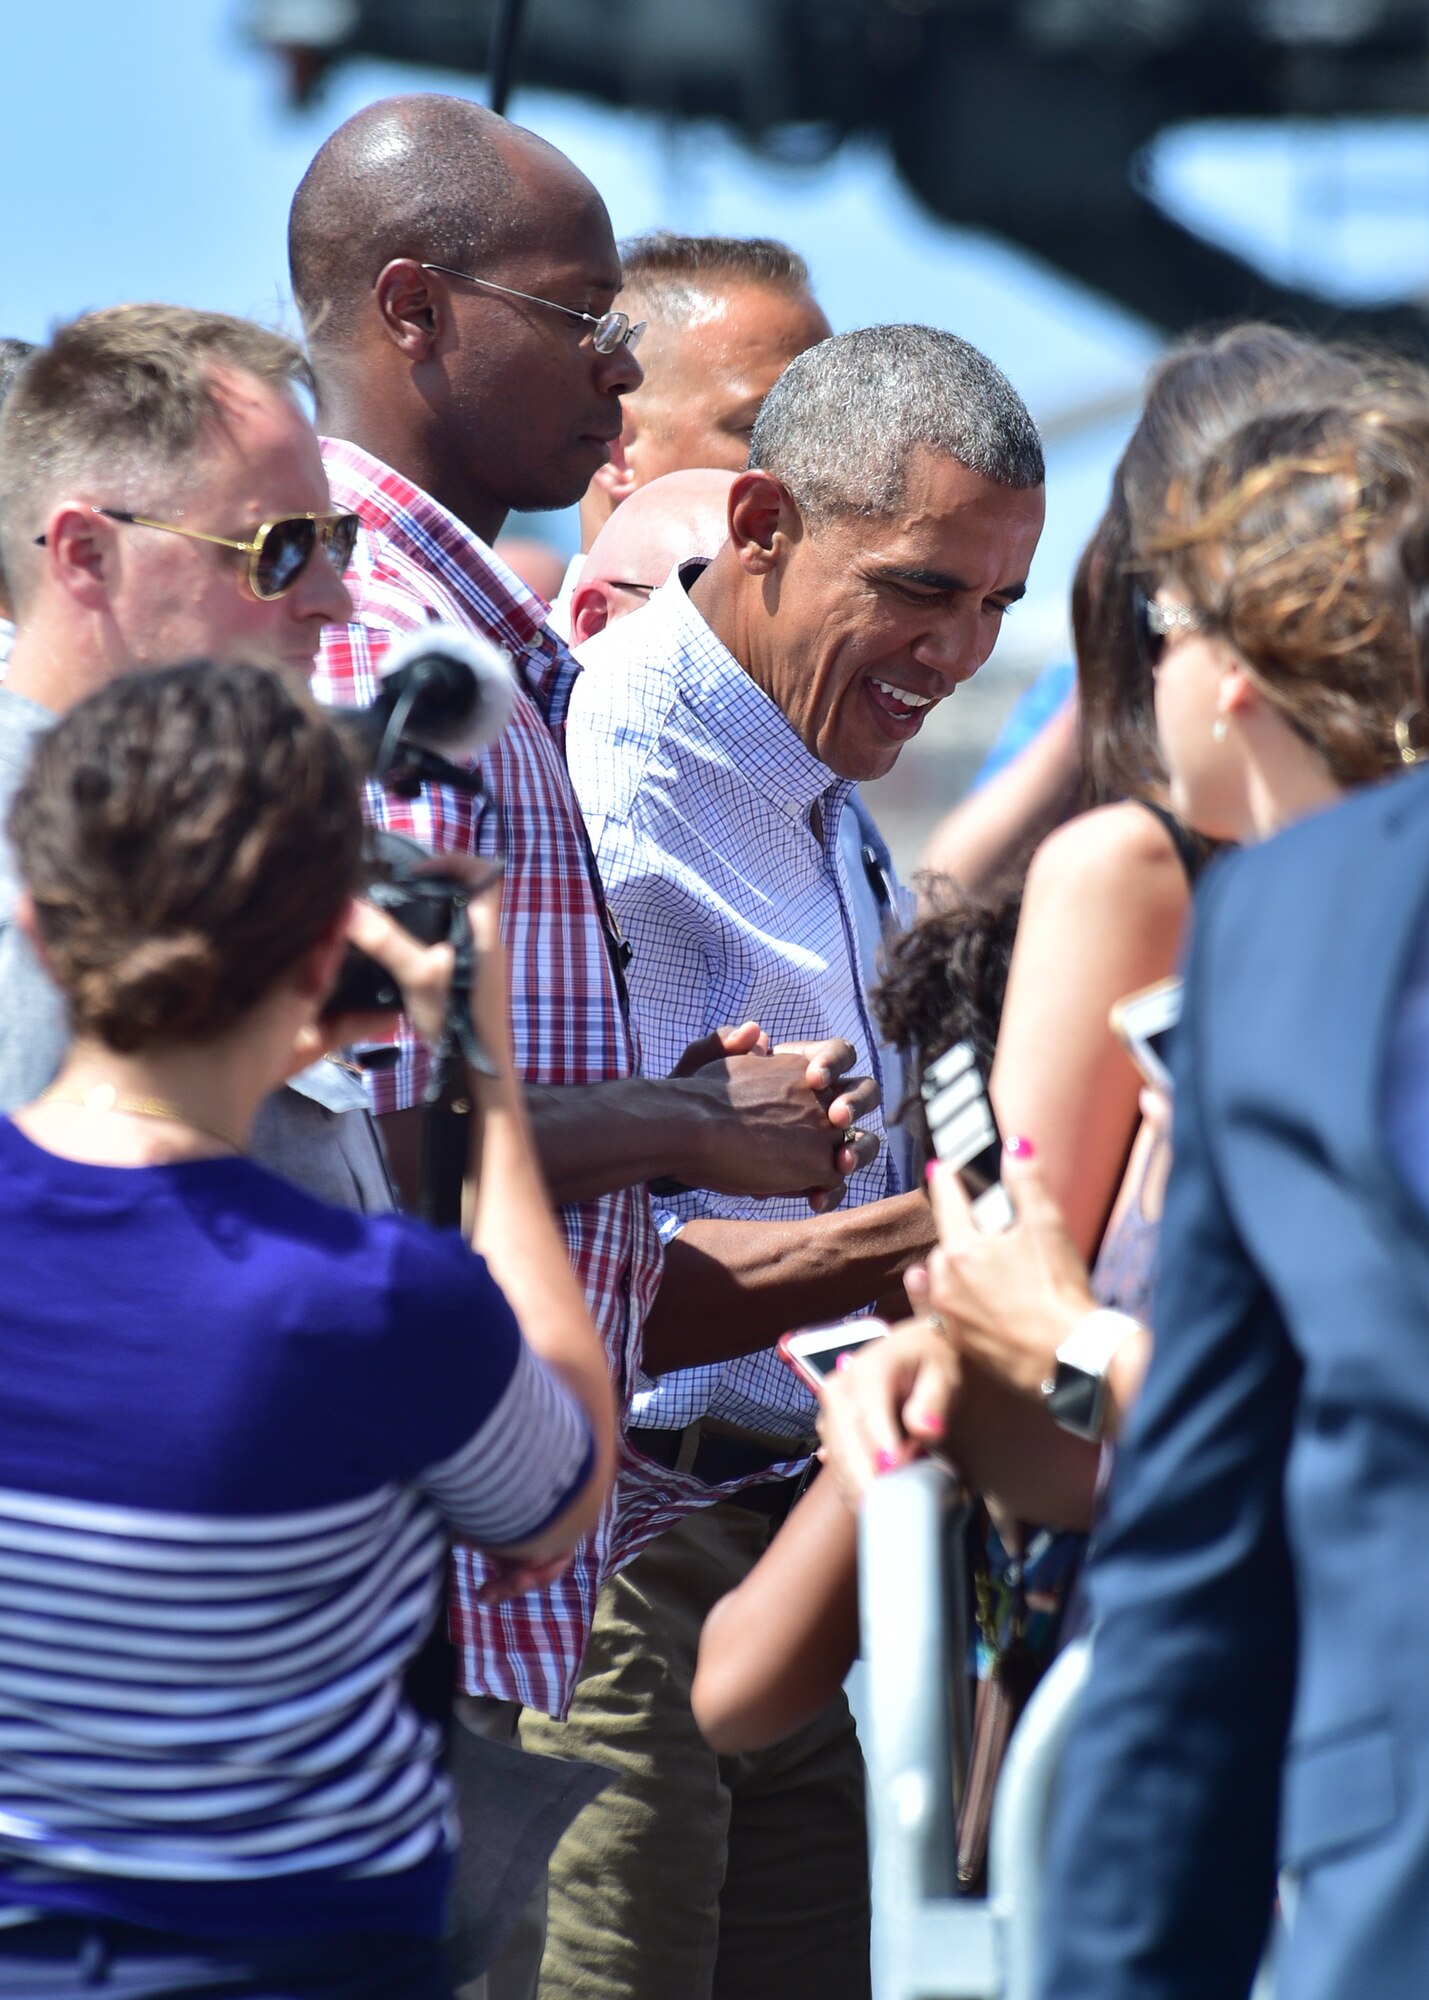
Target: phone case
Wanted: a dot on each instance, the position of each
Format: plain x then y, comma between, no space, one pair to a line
842,1338
964,1133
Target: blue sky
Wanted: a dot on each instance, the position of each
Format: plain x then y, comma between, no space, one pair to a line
146,152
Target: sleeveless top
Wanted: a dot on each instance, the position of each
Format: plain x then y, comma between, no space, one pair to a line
1124,1275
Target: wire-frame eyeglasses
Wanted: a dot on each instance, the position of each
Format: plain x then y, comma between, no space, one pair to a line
612,329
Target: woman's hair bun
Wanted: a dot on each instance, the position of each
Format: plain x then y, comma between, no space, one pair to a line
159,986
186,835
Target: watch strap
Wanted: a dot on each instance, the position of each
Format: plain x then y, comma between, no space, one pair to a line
1095,1338
1075,1393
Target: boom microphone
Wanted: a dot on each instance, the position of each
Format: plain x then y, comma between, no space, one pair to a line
444,693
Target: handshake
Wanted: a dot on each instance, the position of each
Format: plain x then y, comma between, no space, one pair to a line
736,1115
776,1120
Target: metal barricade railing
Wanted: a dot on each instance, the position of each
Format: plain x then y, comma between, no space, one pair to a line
929,1943
1022,1816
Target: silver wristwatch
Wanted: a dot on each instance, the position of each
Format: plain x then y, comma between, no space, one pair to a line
1075,1392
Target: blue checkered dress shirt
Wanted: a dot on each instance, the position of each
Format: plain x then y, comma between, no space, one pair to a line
698,795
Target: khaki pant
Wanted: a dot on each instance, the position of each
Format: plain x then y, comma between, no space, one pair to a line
697,1877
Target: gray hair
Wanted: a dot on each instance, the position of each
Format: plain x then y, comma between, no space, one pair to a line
840,425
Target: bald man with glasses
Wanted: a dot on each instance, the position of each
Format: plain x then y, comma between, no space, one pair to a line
457,278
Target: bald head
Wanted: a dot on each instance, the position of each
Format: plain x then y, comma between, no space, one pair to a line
433,178
450,269
681,515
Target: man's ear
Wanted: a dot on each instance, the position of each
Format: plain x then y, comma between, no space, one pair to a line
763,520
81,553
615,479
410,305
590,612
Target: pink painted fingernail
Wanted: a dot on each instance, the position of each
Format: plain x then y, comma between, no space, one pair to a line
930,1170
1020,1149
932,1425
886,1461
842,1363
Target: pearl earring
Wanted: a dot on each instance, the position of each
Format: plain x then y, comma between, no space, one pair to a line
1218,729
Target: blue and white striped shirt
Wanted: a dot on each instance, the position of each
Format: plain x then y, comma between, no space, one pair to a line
698,794
234,1428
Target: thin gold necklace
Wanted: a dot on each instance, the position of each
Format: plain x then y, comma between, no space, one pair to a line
104,1097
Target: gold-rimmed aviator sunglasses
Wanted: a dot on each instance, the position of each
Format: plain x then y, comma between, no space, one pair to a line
279,550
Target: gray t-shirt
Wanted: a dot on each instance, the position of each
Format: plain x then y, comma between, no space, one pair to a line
316,1131
32,1021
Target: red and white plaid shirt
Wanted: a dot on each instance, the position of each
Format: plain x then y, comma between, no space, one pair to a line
416,564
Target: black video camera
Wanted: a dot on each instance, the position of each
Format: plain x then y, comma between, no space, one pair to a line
425,905
444,694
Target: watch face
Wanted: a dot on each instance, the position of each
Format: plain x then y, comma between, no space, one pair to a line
1076,1400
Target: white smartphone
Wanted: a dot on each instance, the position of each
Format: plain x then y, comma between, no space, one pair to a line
964,1133
814,1351
1144,1022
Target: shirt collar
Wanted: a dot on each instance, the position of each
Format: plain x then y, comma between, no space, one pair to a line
772,755
33,711
332,1084
21,720
498,602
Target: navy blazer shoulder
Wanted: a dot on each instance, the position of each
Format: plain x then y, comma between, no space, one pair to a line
1260,1684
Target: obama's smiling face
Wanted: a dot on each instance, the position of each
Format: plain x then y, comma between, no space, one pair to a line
874,621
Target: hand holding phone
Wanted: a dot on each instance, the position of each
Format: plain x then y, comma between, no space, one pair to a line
813,1353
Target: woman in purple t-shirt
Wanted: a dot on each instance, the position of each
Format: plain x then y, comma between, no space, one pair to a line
236,1425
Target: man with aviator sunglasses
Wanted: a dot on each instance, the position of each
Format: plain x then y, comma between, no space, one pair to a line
194,415
243,475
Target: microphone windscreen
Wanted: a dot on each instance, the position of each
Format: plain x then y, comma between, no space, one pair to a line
458,689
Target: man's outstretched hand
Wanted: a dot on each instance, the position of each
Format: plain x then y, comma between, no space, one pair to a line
847,1099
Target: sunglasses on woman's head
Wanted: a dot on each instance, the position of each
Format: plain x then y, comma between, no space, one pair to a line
1152,623
279,550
